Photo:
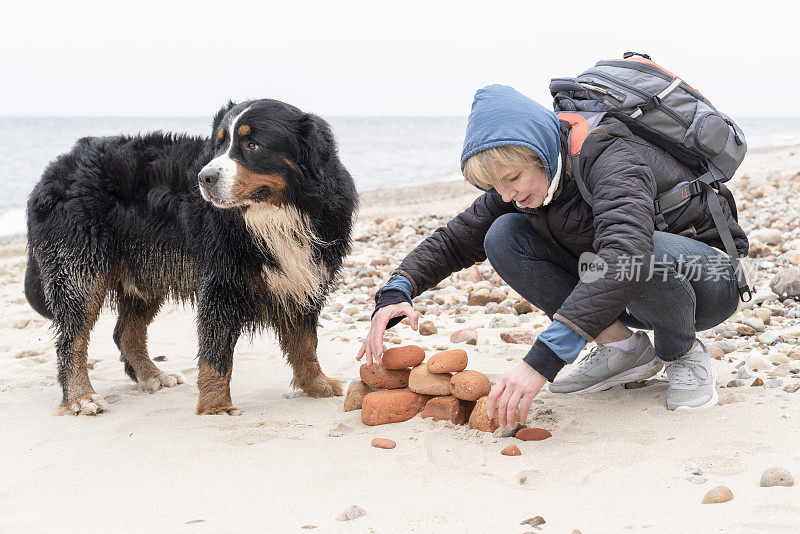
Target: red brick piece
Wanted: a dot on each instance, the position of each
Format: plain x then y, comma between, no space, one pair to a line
446,409
470,385
511,450
423,381
378,377
383,443
391,406
478,420
402,357
448,361
533,434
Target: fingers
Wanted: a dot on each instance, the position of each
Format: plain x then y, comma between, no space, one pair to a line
511,408
525,407
413,316
491,404
362,350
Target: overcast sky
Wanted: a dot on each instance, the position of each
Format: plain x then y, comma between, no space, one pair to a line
409,57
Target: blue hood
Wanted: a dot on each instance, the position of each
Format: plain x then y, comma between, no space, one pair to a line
503,116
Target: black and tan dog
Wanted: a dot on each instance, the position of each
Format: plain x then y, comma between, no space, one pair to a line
251,225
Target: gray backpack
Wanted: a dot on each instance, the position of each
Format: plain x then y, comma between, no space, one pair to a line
665,110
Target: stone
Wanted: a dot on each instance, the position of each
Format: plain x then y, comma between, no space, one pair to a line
773,382
534,521
356,392
786,282
383,443
478,420
718,495
448,361
423,381
482,297
469,385
763,313
725,346
511,450
757,382
634,385
522,307
350,513
471,274
465,335
427,328
533,434
745,330
758,250
402,357
447,408
735,384
715,352
522,337
776,476
768,338
391,406
378,377
791,388
755,323
770,236
757,362
743,372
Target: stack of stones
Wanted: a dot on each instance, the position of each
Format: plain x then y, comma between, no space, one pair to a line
404,385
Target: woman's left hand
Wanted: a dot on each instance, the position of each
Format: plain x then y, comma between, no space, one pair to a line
515,388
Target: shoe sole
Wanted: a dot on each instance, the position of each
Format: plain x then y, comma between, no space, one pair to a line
713,402
635,374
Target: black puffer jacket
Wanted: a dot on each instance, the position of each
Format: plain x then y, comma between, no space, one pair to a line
624,173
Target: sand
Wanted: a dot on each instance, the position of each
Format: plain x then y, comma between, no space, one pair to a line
614,462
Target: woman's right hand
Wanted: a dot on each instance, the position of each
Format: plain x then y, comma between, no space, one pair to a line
373,344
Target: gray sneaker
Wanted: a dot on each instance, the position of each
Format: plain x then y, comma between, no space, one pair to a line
691,381
605,367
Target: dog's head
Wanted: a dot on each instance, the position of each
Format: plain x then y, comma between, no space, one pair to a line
265,151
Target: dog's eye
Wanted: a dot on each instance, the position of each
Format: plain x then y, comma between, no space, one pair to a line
252,146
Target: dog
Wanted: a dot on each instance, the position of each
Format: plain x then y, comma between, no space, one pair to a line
251,225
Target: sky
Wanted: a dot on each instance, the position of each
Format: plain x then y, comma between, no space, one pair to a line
377,58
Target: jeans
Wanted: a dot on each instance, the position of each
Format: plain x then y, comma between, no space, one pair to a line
692,285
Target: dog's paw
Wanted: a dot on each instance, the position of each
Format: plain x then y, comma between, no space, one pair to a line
90,404
218,410
324,386
165,380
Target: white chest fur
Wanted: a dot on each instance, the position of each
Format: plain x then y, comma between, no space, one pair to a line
286,234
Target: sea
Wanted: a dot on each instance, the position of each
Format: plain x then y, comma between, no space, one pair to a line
379,152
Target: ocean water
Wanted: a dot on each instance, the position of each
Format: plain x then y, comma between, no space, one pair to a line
380,152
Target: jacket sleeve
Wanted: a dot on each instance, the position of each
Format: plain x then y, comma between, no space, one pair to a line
623,188
455,246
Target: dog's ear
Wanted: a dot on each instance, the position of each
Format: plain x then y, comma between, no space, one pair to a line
317,145
220,114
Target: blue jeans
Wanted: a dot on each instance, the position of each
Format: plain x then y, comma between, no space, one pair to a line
691,287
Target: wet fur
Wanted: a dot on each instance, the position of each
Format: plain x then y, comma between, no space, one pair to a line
121,220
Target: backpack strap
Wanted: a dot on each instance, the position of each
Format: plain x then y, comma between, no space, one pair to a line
580,126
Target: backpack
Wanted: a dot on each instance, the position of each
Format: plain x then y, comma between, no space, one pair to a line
665,110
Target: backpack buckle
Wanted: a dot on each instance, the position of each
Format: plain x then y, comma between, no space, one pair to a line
652,103
694,188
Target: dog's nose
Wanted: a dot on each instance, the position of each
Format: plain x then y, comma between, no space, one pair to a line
208,176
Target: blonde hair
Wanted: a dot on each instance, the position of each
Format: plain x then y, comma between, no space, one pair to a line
480,169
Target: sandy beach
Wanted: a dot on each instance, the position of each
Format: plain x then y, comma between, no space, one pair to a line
617,461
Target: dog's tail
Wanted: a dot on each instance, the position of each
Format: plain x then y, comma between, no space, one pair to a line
34,291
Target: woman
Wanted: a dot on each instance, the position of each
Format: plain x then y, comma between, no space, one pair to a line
533,226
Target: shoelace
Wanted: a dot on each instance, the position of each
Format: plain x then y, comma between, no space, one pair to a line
589,359
681,373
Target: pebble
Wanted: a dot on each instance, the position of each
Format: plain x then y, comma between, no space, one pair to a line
786,282
725,346
776,476
745,330
735,384
402,357
768,338
353,512
466,335
478,420
770,236
356,392
743,372
534,521
383,443
511,450
755,323
522,337
391,406
636,385
715,352
533,434
757,382
773,382
448,361
421,380
522,307
378,377
447,408
757,362
718,495
469,385
792,388
427,328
